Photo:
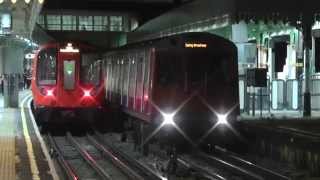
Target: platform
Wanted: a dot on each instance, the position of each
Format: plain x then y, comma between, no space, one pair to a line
286,138
278,114
21,153
7,144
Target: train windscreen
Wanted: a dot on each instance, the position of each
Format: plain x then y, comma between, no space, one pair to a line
47,67
194,70
90,69
170,69
210,66
204,70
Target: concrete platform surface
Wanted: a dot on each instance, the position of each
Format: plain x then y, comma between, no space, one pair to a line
22,152
7,144
279,114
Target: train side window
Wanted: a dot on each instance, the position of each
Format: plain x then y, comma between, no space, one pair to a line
139,88
47,67
127,60
118,79
146,81
107,77
112,78
125,82
121,79
90,71
132,85
96,72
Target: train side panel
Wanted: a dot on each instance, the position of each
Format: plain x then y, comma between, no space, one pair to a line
128,81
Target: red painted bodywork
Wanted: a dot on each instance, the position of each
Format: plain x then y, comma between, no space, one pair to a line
62,98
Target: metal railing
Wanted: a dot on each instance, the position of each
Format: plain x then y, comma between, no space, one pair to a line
278,95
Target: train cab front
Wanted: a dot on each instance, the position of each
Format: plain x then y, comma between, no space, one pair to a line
197,98
67,80
198,120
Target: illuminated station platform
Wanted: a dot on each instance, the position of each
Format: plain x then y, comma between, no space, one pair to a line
274,132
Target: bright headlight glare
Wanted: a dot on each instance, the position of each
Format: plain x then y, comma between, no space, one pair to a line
168,119
49,92
222,118
87,93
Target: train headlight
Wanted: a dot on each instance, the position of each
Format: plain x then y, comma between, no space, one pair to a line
168,119
49,92
222,118
86,93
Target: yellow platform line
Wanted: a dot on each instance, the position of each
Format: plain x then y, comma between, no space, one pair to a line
32,160
43,145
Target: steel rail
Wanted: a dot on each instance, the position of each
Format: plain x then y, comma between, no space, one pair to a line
251,166
300,132
213,160
200,169
69,171
115,160
189,165
148,172
88,158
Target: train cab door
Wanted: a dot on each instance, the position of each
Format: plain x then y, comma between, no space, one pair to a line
69,76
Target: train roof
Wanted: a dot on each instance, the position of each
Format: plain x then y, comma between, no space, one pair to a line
83,46
183,36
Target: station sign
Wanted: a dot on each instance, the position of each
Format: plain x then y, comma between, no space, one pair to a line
5,23
195,45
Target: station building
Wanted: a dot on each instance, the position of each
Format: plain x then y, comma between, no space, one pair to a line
284,43
257,40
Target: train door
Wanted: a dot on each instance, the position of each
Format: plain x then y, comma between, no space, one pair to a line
69,76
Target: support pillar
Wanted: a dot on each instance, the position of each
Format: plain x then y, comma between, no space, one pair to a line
307,42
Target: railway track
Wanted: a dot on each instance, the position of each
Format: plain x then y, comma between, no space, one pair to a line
86,158
246,169
95,157
235,159
225,165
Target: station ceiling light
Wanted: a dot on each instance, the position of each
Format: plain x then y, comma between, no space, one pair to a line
41,1
27,1
1,1
13,1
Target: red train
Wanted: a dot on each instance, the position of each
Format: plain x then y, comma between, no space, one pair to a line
188,80
66,78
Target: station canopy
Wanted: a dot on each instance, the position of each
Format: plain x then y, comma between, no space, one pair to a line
294,12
